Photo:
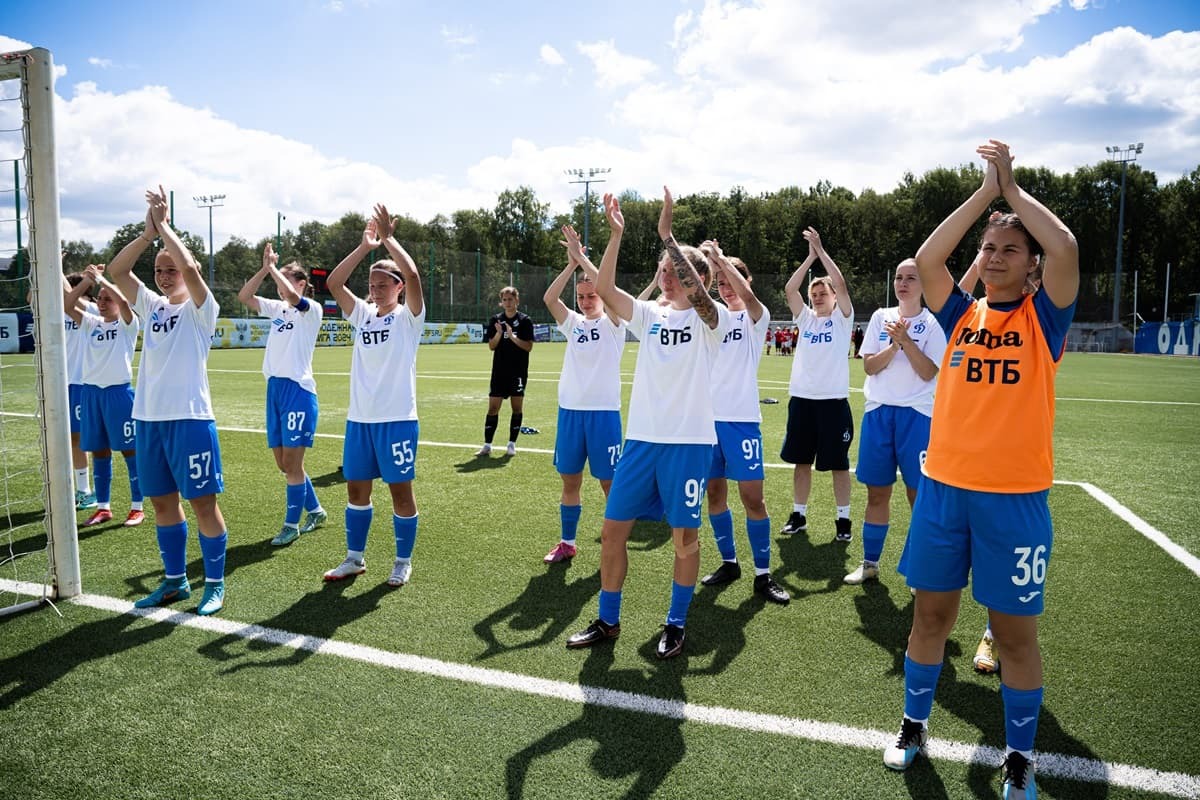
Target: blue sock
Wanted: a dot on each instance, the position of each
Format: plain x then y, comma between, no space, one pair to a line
102,475
311,503
1021,709
358,524
405,529
213,550
722,525
920,683
135,489
758,531
172,546
873,539
681,598
610,607
570,521
295,500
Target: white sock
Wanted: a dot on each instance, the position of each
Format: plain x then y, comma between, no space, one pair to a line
843,512
800,508
82,484
104,506
356,555
136,506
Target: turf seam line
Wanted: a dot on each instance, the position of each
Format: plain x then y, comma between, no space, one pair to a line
1055,765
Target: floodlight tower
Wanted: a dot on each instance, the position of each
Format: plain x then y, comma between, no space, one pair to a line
1123,155
587,178
209,201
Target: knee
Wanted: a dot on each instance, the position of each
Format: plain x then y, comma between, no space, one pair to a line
687,544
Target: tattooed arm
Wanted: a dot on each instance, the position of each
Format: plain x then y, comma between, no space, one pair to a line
685,273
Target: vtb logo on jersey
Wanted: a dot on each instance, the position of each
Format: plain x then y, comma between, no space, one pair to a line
670,336
282,325
988,370
819,337
161,323
102,335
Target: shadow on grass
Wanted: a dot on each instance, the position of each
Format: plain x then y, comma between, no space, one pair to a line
33,670
801,559
542,611
333,478
888,625
242,555
315,616
717,629
629,742
480,463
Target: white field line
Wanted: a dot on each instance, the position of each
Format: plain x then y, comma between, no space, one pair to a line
1140,525
1176,784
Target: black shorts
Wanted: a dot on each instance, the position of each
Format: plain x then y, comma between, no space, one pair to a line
820,431
507,384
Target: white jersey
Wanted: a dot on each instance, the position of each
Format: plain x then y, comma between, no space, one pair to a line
821,366
735,376
383,369
898,384
108,353
291,341
76,340
173,375
591,373
671,401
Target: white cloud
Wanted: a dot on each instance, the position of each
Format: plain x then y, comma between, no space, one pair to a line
111,147
456,37
102,63
614,68
551,57
336,6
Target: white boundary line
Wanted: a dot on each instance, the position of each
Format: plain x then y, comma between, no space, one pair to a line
1055,765
1140,525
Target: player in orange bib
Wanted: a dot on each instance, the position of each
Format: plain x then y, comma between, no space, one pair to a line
982,508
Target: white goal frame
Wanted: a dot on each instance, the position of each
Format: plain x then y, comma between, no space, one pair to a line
34,69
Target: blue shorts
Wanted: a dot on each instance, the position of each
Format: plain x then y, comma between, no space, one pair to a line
594,436
737,455
291,414
891,437
180,455
652,478
386,450
1003,540
75,403
107,418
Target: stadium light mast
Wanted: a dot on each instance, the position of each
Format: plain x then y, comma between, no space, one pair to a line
1123,155
587,177
279,218
209,201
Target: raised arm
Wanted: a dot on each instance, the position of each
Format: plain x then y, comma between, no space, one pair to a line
719,263
123,307
120,269
246,295
835,274
793,290
1060,273
936,280
688,278
553,296
970,278
414,294
73,294
336,283
645,294
616,300
184,261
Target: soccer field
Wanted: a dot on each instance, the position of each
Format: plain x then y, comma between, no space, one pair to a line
458,684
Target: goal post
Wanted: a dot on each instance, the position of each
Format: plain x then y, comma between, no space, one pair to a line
31,73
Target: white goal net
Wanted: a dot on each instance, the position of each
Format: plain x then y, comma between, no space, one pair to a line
39,557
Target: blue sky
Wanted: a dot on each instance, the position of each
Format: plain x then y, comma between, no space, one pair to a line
316,107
